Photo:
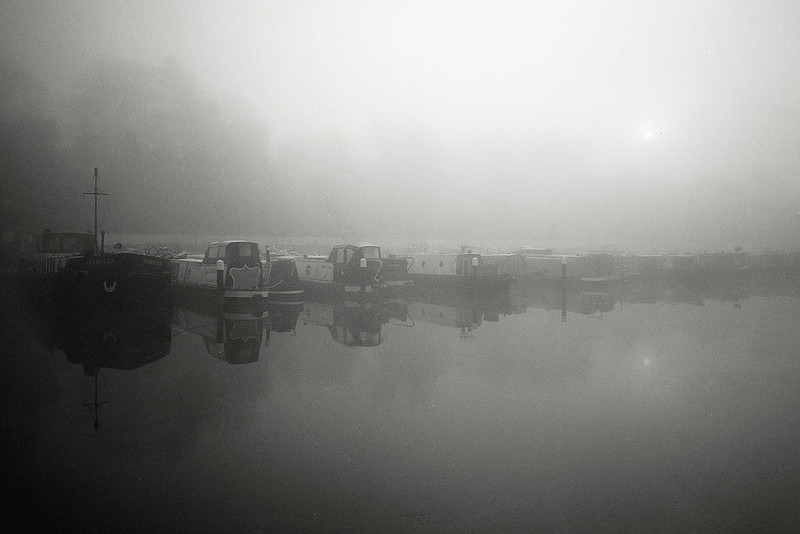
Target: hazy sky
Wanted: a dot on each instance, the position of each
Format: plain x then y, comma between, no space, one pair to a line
614,72
680,89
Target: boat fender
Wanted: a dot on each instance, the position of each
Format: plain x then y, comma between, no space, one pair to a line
109,287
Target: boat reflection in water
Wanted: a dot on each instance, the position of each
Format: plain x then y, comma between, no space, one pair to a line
283,315
124,338
459,308
352,320
596,298
234,337
588,298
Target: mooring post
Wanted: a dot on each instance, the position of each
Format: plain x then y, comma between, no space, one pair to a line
220,283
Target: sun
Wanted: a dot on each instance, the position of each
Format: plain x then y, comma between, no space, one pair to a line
648,134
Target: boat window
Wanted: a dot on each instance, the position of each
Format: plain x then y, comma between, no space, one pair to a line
340,255
242,250
49,243
69,243
371,253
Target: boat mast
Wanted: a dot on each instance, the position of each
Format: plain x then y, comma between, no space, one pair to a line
95,193
96,404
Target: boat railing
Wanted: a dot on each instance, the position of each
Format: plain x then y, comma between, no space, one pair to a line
51,264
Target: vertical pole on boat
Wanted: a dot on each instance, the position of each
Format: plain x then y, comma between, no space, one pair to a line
362,264
564,289
474,264
96,419
95,205
220,283
96,194
102,241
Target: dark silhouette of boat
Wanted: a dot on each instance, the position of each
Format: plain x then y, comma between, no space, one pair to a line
123,338
71,268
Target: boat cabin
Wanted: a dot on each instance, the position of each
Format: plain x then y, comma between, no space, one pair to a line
52,249
348,253
347,261
233,252
243,273
446,265
343,266
64,243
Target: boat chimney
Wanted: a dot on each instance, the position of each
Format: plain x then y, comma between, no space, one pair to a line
220,283
362,263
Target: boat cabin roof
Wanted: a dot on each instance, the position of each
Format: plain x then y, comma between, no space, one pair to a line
345,252
65,242
229,241
360,244
224,249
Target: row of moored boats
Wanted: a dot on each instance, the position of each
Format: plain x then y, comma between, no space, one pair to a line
69,267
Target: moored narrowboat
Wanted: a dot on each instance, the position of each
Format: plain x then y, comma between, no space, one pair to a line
460,270
283,282
230,273
552,266
394,273
68,269
511,264
349,268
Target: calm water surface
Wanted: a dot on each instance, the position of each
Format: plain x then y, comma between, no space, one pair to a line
645,407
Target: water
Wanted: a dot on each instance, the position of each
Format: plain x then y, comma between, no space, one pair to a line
652,407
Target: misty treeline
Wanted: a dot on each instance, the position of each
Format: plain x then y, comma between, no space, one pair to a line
178,161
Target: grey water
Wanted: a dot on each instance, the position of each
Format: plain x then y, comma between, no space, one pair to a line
660,406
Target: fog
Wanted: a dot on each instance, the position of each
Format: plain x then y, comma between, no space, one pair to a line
649,126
